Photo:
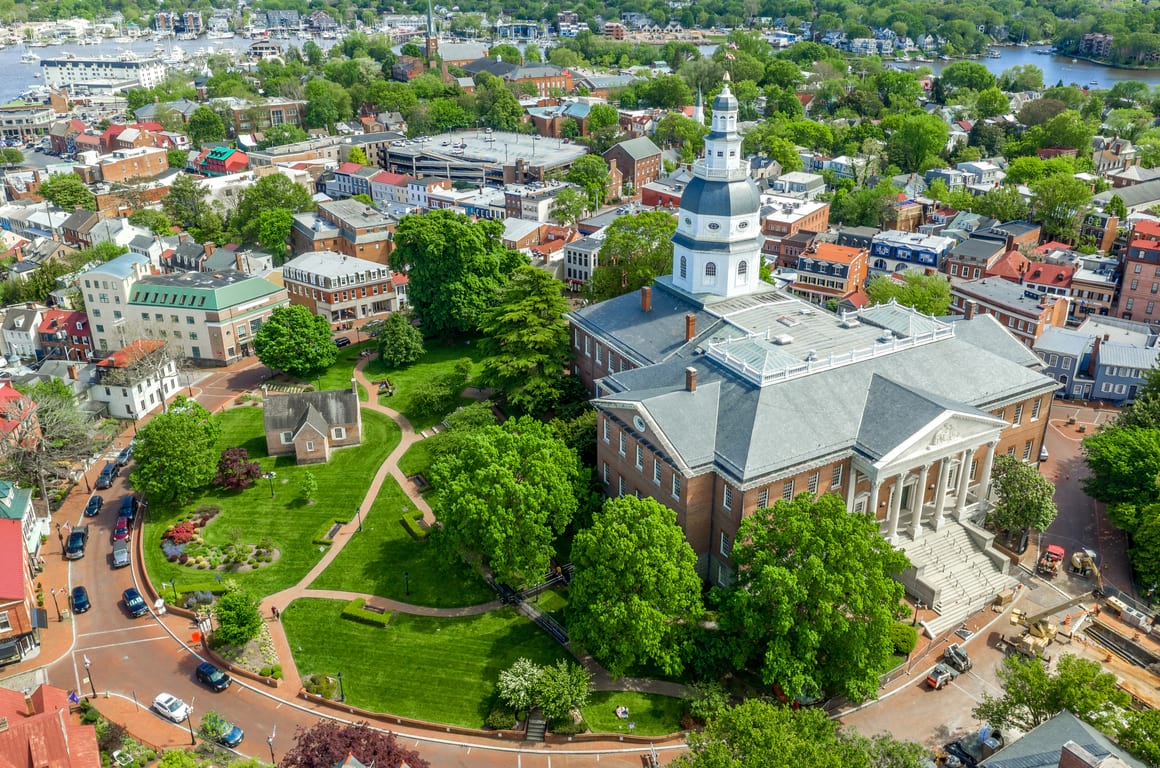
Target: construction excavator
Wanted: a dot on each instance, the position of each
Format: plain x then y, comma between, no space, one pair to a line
1040,630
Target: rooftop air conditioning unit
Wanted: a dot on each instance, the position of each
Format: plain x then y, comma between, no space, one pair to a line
783,339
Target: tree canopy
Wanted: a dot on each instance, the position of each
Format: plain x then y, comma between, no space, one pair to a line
525,340
1032,695
455,267
637,249
929,294
815,598
399,342
297,341
1024,497
508,493
205,126
636,591
68,191
176,452
329,742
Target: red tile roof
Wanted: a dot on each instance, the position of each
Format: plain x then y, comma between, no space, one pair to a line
1148,245
149,126
398,278
1052,245
394,179
1016,267
65,319
350,167
12,403
11,562
1147,229
47,738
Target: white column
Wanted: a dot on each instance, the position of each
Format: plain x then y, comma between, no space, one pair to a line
875,487
940,499
917,501
895,508
964,479
851,487
985,473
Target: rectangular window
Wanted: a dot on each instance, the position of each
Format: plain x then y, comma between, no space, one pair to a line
309,445
763,498
623,444
726,545
787,489
657,471
836,477
814,483
5,624
604,471
676,490
1128,304
338,433
1027,451
287,438
639,457
974,466
722,575
599,356
606,430
620,485
1035,410
588,346
576,339
1019,414
727,498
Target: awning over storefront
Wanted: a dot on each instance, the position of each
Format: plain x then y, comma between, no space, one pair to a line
9,651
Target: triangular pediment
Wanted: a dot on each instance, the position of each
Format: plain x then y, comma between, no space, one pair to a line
950,432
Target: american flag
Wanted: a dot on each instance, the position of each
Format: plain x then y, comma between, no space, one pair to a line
729,56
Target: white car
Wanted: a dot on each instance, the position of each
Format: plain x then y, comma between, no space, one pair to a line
169,706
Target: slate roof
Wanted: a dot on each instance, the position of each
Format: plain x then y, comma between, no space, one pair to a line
1128,356
1134,196
895,413
1064,341
640,148
318,409
1041,747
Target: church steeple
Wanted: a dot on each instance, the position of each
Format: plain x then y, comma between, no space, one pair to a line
432,35
699,109
717,245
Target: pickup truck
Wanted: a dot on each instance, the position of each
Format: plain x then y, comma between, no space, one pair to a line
77,540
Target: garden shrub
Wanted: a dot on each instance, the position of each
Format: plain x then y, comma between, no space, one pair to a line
500,718
355,611
320,685
904,637
411,523
566,726
321,537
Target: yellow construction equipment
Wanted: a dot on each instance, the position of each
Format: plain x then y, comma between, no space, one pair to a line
1040,630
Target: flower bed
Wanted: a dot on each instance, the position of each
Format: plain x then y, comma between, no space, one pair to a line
183,543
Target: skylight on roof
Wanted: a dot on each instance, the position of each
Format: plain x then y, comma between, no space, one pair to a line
788,322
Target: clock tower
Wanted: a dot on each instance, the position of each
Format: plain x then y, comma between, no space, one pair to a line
717,245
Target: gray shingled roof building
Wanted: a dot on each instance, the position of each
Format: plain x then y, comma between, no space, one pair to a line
310,424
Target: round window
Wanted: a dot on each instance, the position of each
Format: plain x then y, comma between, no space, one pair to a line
638,422
743,225
714,225
688,220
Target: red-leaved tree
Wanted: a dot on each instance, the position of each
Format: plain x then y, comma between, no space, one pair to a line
329,742
235,471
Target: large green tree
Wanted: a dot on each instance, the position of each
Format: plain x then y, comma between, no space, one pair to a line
1032,694
399,342
1024,497
49,434
237,616
508,493
929,294
189,207
205,126
176,453
1124,463
297,341
68,191
815,598
455,266
590,173
637,248
569,206
1058,201
918,141
525,340
564,686
636,592
272,192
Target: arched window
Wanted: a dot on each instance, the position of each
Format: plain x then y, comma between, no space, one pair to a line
684,267
710,270
742,272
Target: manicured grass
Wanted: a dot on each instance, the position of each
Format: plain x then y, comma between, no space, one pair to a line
417,459
286,519
654,715
442,670
338,376
439,361
552,602
375,559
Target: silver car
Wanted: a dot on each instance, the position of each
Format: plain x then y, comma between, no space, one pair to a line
172,708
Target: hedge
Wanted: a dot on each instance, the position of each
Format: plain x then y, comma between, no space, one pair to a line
321,538
355,611
411,523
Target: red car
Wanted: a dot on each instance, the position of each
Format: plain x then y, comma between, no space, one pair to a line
121,532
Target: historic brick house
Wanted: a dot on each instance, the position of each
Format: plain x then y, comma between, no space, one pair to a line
717,393
309,425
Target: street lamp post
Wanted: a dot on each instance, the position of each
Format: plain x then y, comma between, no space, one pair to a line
917,608
270,744
174,585
270,476
55,603
341,692
89,674
358,514
407,582
189,722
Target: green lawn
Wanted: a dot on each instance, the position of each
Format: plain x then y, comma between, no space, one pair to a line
552,602
338,376
442,670
654,715
286,518
417,459
375,559
439,361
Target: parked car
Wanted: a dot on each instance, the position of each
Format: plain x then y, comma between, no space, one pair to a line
120,554
134,603
108,475
230,735
80,600
121,530
130,504
212,676
172,708
124,456
342,341
93,508
77,541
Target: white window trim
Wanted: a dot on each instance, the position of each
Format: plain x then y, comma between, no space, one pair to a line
287,438
338,433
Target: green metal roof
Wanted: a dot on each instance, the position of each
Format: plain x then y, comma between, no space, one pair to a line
200,290
13,501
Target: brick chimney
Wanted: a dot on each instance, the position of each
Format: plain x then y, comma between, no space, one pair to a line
72,372
969,309
210,247
1010,242
1095,355
690,379
646,299
29,705
690,326
354,386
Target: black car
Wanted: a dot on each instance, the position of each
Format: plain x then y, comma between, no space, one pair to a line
80,600
212,676
77,540
93,508
230,735
129,506
342,341
108,475
134,603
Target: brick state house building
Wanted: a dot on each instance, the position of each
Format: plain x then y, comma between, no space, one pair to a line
718,393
